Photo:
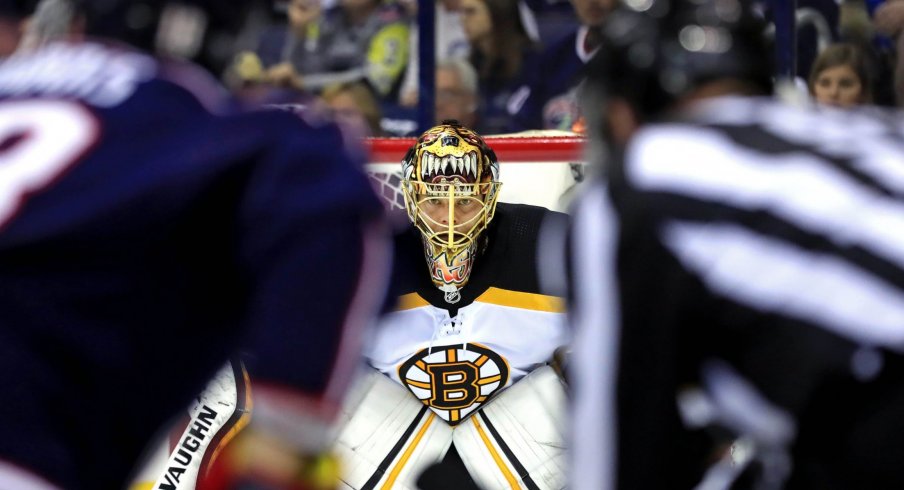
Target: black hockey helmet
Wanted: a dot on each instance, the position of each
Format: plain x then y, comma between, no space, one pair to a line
204,31
655,51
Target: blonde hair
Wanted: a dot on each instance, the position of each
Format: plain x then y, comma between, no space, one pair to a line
364,100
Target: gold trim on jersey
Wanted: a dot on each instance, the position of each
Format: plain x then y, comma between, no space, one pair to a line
519,299
410,301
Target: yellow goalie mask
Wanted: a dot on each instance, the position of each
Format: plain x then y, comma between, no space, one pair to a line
450,183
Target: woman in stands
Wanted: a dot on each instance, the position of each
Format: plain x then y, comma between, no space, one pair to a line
840,77
504,56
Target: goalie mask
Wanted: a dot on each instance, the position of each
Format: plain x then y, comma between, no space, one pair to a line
450,183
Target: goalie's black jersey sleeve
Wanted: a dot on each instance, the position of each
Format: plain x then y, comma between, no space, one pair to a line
754,254
144,236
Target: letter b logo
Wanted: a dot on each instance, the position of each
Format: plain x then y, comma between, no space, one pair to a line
454,385
454,380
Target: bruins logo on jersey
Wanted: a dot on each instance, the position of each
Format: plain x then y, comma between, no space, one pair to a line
454,380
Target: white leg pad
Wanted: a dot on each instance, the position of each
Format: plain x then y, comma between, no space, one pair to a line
388,436
518,439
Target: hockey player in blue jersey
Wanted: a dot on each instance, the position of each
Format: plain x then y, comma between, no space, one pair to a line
146,232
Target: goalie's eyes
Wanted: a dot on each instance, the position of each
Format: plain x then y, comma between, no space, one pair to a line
462,203
465,203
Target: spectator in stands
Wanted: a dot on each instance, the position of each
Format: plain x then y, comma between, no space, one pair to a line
551,102
555,18
283,50
291,49
840,77
456,92
450,43
354,106
355,40
855,26
889,21
503,55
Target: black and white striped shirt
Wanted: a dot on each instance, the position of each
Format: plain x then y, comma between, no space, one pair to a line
756,251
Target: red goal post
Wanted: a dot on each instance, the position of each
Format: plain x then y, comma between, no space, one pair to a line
535,167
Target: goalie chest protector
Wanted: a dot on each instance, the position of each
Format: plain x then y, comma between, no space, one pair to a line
455,357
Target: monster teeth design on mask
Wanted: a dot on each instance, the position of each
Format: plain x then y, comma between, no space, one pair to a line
466,165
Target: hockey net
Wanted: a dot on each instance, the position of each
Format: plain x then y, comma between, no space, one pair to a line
535,167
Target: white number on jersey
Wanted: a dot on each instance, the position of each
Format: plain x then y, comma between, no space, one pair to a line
39,140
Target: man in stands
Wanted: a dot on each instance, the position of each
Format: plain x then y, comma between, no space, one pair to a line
460,372
456,92
734,271
146,232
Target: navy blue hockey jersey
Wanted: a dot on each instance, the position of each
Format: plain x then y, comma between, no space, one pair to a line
551,101
144,234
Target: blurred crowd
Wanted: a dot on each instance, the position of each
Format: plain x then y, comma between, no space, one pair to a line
513,65
501,65
493,60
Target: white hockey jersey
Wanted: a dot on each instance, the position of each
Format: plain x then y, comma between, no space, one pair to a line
452,360
454,364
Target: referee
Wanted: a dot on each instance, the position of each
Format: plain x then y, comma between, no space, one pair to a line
737,272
